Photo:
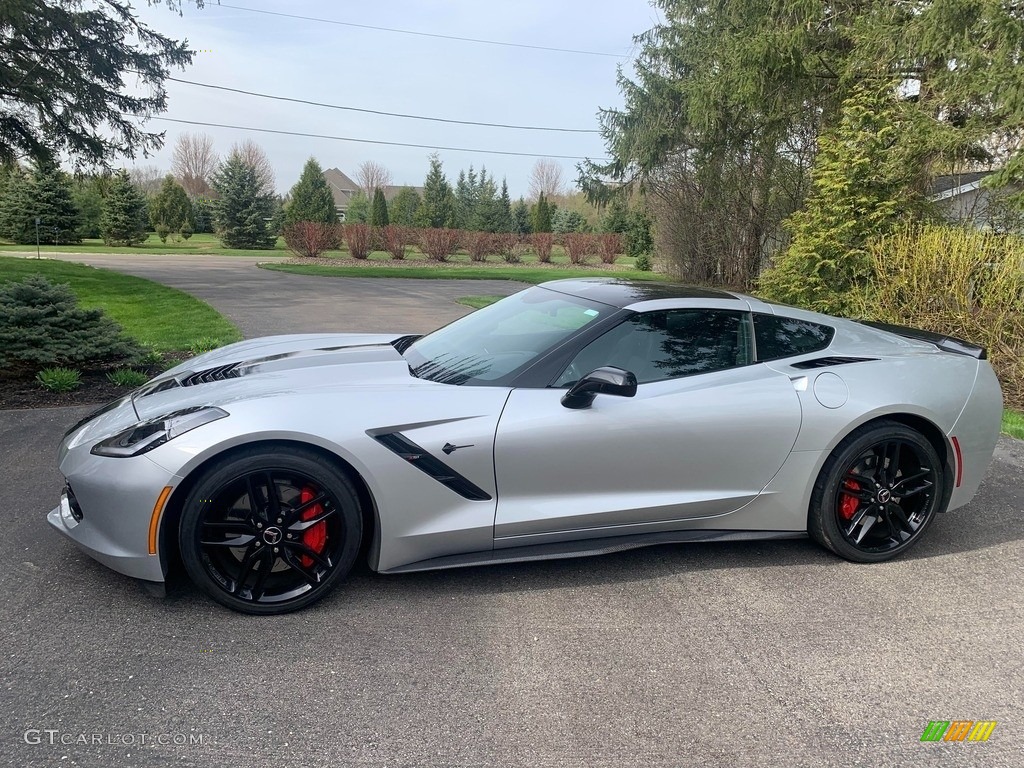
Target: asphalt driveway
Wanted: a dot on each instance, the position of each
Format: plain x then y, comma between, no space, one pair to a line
753,654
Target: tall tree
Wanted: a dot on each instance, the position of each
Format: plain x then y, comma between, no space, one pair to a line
75,77
379,211
45,195
437,206
371,176
244,206
404,205
311,198
194,163
521,218
467,191
540,215
89,192
504,209
124,213
548,177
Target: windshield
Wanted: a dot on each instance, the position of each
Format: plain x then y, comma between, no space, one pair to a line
492,343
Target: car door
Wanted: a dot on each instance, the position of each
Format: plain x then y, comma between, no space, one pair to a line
706,431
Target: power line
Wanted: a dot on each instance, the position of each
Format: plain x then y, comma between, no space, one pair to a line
424,34
369,141
379,112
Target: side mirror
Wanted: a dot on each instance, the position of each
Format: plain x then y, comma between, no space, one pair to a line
604,381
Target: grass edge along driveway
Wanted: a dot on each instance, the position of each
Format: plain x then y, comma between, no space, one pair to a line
521,273
153,314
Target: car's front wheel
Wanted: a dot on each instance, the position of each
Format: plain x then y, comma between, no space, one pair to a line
269,531
877,493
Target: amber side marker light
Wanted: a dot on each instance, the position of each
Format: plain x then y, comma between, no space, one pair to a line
154,521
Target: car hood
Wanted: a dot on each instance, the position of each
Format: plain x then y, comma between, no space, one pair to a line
276,365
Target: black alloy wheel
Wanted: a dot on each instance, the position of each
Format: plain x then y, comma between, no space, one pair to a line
877,493
270,532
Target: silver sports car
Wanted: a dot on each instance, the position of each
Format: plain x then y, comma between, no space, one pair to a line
574,418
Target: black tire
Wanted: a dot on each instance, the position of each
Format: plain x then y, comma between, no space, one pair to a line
877,493
264,553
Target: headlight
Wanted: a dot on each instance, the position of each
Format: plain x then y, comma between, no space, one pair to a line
147,435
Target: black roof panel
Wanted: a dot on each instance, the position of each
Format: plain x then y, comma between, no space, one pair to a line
622,293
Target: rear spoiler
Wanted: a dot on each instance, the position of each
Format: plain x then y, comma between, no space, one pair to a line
945,343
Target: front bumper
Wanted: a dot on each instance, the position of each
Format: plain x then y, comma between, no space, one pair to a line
116,498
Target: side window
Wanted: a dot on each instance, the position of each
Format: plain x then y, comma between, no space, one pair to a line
786,337
667,345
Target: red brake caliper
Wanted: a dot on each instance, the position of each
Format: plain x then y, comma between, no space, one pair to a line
847,503
315,536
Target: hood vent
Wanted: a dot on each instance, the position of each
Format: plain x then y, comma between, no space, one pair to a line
220,373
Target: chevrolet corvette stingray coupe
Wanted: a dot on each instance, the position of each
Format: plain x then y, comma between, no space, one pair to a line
577,417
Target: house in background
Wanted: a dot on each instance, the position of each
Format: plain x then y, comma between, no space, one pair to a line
343,188
961,198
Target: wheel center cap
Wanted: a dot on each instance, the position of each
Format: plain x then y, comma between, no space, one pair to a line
882,496
272,535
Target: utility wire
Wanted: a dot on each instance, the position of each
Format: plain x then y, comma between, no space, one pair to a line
424,34
368,141
379,112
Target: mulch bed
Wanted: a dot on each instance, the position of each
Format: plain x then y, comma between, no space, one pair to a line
95,389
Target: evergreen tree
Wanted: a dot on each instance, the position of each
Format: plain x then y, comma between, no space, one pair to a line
46,195
504,209
170,208
541,215
437,207
521,218
243,207
88,192
358,211
487,216
124,213
566,221
465,198
202,214
616,218
311,198
379,212
404,205
639,239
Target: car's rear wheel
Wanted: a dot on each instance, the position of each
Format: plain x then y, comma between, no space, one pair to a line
270,531
877,493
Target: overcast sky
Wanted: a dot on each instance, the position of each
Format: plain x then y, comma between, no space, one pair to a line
404,73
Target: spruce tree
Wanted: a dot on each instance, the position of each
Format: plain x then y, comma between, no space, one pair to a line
358,211
311,198
243,207
379,212
541,215
124,213
521,218
504,209
46,195
437,208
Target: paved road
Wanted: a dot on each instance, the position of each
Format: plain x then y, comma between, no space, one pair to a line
727,655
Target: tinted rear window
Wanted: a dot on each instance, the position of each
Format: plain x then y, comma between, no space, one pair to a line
785,337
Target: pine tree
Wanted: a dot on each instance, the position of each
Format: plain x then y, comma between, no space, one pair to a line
88,192
616,218
541,215
521,218
379,212
170,208
437,208
504,209
46,195
243,207
404,205
466,192
124,213
311,198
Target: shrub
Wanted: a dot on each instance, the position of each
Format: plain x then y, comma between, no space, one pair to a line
186,231
59,379
359,238
542,243
478,244
515,253
396,239
126,377
311,238
41,325
577,247
643,262
955,281
503,244
162,231
439,242
204,344
609,246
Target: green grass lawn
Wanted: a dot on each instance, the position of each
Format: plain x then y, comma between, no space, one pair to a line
477,302
166,318
200,244
1013,424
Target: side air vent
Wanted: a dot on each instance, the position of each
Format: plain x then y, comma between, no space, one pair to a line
428,463
826,362
220,373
